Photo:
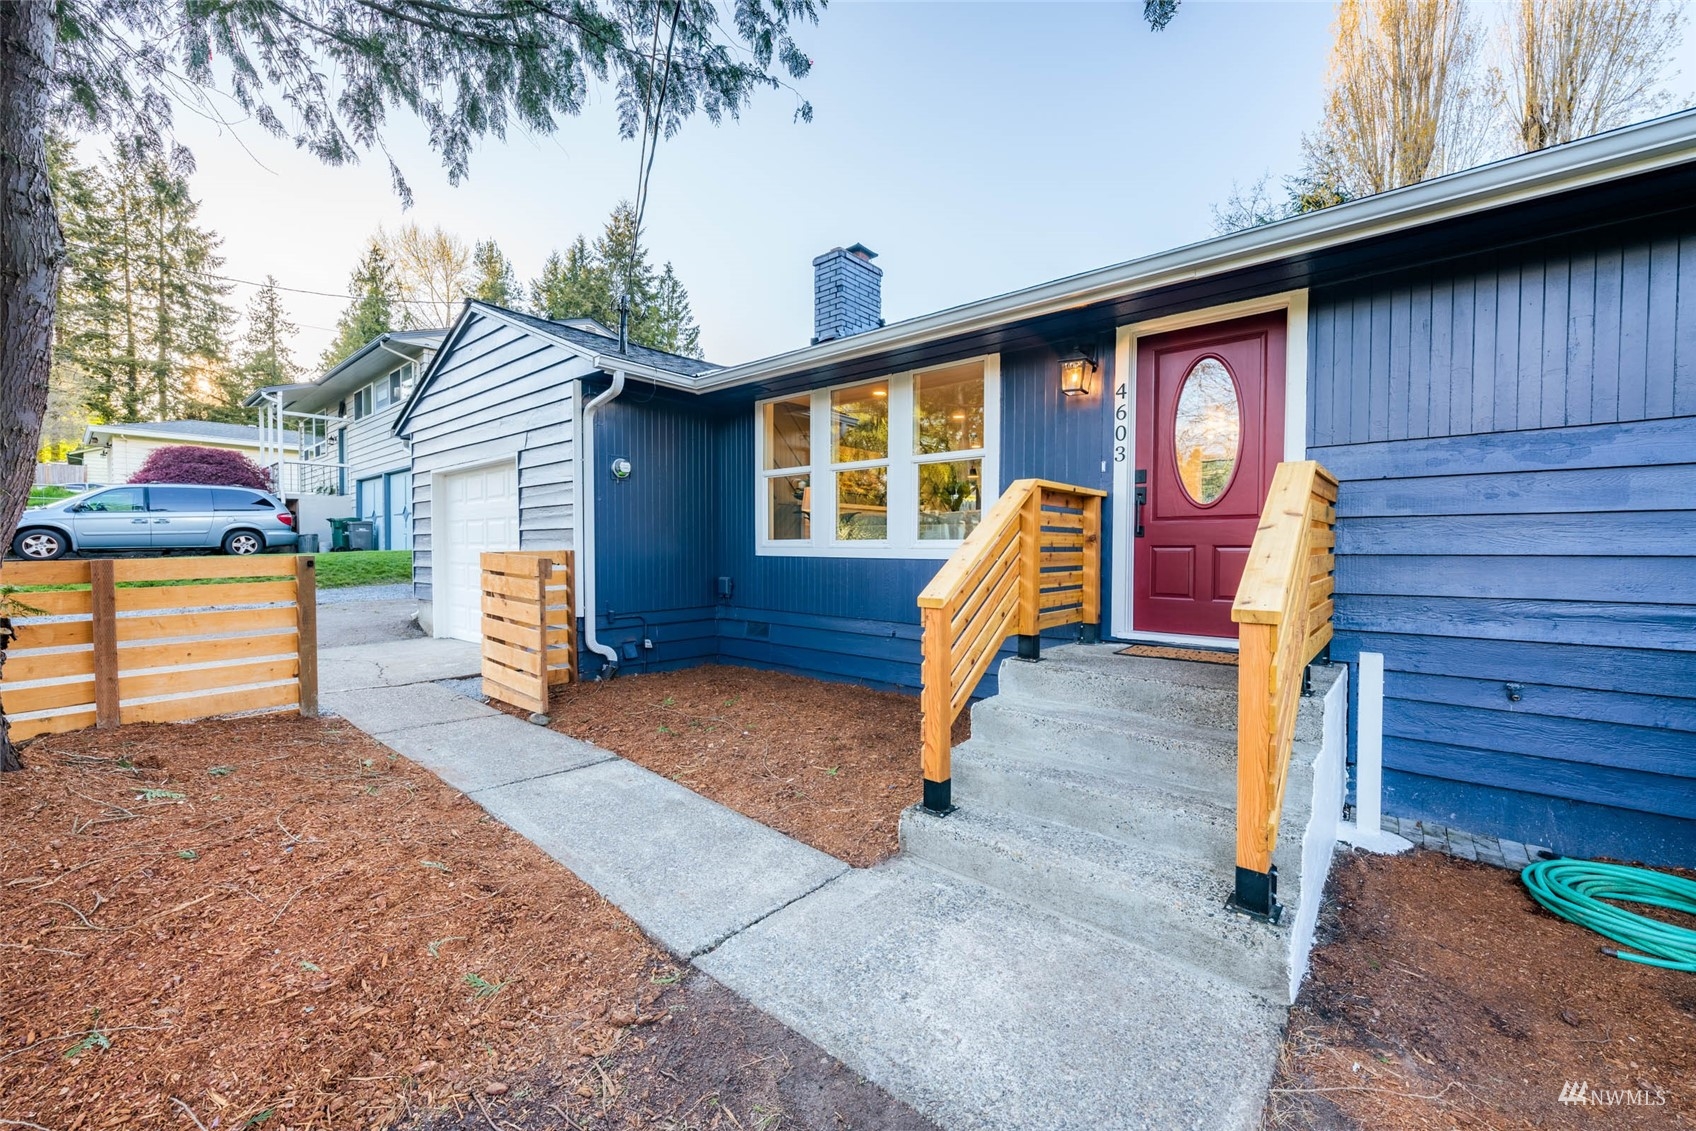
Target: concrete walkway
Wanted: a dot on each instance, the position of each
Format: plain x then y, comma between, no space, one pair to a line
981,1012
688,870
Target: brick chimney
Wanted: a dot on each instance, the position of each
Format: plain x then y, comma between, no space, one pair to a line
847,293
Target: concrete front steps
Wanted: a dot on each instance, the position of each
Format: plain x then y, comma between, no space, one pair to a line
1103,787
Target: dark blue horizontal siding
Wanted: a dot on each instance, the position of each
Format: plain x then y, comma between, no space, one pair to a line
1518,513
1522,812
1630,533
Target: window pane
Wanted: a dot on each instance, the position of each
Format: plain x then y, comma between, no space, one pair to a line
1207,431
862,504
198,499
115,502
948,409
860,416
382,390
791,508
950,499
231,499
788,434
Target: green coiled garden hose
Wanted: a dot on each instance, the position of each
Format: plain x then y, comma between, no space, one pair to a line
1576,890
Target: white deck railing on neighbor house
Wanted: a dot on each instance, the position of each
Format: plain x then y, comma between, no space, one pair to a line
296,448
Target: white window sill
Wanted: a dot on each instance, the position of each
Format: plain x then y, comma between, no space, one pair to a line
871,551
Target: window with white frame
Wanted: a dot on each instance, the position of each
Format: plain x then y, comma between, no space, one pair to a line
902,465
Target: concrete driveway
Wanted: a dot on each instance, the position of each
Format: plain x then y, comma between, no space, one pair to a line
367,614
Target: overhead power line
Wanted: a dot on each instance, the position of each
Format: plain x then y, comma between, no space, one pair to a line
305,291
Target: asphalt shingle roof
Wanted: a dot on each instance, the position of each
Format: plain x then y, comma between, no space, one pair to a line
659,359
211,429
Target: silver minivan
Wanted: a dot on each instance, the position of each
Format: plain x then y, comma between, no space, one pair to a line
158,516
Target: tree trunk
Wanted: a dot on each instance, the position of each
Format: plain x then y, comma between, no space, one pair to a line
30,253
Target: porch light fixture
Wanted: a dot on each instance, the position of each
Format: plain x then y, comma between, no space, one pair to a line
1077,367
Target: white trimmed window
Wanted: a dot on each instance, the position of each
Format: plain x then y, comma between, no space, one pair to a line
900,466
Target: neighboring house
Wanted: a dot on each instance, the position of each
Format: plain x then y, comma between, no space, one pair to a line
350,463
1499,366
111,453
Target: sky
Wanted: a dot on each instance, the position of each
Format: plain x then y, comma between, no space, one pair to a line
976,147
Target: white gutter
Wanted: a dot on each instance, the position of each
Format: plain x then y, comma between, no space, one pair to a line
587,476
1655,145
612,361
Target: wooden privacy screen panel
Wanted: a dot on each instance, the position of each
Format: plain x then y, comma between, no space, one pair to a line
155,640
1283,614
529,626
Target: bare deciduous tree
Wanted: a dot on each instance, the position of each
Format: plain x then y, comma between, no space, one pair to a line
1572,68
1402,104
432,270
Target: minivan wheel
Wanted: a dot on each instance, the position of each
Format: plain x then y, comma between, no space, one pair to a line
242,543
40,545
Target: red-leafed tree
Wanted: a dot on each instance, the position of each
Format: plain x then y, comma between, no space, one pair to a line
214,467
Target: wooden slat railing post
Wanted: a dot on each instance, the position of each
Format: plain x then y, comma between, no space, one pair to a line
1256,886
306,631
1090,633
935,703
1028,549
103,603
1283,615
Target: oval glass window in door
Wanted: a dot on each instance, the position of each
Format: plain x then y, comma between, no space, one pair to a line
1207,432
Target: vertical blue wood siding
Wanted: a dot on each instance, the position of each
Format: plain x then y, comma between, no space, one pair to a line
1516,441
685,518
655,533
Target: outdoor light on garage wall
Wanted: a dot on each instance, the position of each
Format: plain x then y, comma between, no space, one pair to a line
1077,369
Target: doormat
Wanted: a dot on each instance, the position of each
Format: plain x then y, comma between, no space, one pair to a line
1161,653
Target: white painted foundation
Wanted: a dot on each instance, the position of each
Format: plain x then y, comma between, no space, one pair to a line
1319,843
1366,830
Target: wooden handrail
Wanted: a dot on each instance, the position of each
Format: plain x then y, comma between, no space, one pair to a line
1033,563
1283,615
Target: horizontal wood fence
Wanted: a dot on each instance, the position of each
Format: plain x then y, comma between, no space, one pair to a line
153,640
1283,614
529,626
1032,564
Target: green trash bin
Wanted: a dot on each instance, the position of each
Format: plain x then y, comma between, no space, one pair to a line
338,533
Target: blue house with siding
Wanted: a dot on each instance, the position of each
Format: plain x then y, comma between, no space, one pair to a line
1497,366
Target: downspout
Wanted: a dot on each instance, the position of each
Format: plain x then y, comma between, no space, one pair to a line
586,525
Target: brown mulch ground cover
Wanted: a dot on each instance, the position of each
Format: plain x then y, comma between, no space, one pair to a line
1443,997
277,922
830,764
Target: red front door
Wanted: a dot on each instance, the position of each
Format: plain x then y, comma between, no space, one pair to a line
1210,431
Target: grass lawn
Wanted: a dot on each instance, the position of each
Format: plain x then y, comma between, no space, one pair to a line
40,495
364,567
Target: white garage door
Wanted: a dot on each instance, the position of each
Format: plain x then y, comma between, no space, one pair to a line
481,513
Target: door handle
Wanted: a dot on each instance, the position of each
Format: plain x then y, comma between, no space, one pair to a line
1142,497
142,520
164,520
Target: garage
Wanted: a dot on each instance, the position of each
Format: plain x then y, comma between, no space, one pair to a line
479,513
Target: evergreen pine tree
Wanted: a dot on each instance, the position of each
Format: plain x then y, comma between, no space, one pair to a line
573,286
492,277
265,358
588,280
670,324
372,310
190,321
142,324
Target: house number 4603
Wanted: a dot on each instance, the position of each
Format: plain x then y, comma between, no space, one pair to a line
1121,418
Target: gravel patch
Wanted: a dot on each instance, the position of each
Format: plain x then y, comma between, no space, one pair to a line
400,591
